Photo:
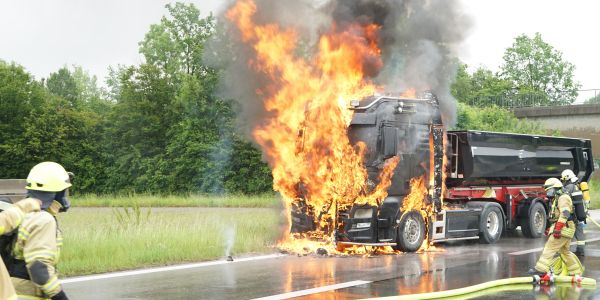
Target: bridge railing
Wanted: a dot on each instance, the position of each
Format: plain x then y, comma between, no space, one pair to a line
513,99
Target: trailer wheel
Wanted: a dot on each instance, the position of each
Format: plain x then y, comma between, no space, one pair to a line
535,224
411,232
491,224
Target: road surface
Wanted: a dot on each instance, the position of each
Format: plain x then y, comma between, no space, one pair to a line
278,276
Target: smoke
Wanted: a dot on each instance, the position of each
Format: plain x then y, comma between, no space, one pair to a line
229,240
419,42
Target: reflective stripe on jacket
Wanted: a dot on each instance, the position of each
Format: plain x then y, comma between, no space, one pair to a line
38,245
9,220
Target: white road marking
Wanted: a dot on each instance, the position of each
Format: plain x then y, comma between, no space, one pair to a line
165,269
315,290
542,248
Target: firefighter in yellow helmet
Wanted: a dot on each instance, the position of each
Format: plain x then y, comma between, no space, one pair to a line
11,217
37,247
560,232
580,205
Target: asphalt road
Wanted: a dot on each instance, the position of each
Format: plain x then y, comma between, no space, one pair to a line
316,277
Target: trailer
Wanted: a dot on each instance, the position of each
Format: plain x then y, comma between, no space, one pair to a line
480,184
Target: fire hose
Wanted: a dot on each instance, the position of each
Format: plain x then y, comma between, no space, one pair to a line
593,221
547,279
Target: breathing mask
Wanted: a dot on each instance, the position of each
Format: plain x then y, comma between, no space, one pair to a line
48,197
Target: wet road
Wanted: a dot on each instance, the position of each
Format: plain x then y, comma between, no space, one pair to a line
313,277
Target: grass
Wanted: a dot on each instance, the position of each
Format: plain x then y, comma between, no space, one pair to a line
108,239
594,186
264,200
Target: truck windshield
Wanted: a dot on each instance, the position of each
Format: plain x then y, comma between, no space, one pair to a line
368,135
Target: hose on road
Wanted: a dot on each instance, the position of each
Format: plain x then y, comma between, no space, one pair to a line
593,221
587,282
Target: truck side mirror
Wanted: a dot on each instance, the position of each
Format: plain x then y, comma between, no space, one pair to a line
390,142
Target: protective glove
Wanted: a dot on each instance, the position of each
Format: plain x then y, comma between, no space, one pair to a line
547,231
557,229
582,224
28,205
60,296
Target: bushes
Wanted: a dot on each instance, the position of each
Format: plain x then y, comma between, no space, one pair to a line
493,118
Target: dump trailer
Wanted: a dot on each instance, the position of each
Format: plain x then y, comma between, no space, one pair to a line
480,184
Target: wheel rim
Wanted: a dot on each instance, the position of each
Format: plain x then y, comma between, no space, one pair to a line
538,221
492,223
411,231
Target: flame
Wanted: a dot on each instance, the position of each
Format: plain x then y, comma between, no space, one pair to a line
305,136
409,93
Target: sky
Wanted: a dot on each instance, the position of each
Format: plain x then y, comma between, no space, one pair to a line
44,35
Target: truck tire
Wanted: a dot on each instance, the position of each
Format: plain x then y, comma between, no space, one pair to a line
491,225
535,224
411,232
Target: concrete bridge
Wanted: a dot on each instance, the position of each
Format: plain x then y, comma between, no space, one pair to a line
582,121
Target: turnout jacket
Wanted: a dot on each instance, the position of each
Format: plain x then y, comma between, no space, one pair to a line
562,208
10,219
36,253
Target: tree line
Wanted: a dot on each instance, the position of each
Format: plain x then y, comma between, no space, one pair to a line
160,127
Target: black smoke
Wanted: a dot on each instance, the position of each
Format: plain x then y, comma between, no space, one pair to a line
419,41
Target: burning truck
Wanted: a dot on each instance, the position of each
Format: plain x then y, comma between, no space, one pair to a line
444,186
383,172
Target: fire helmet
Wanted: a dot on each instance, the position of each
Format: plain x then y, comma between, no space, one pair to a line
552,183
48,177
568,175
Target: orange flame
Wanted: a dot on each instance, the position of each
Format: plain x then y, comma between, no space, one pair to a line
305,136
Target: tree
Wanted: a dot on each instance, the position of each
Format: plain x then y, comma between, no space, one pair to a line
482,88
536,68
91,96
176,44
62,84
20,98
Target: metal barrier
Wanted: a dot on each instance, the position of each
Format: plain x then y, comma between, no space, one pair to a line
514,99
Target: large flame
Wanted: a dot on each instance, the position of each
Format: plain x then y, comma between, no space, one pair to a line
305,136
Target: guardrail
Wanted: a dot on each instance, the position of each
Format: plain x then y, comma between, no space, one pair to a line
516,100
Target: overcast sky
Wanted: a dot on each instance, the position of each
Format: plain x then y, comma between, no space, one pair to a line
43,35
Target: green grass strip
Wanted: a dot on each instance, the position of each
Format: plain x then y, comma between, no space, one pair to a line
103,239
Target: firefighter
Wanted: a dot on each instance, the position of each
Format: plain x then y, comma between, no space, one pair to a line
37,247
571,187
10,218
560,232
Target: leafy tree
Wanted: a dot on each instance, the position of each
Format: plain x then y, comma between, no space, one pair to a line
176,44
536,68
139,123
92,97
159,127
63,84
482,88
20,98
462,87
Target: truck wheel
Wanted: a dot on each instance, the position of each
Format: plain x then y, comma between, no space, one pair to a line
411,232
535,224
491,224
